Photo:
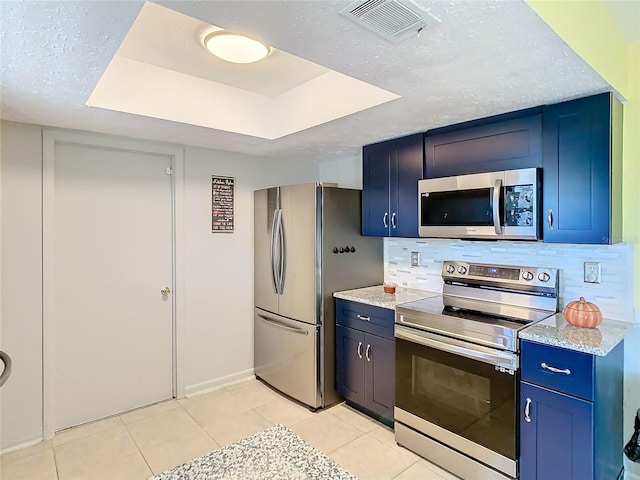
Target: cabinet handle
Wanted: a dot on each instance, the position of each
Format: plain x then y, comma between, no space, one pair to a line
527,406
359,349
393,220
550,219
364,319
566,371
367,353
384,219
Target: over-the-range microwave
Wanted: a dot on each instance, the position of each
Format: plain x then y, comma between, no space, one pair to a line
496,205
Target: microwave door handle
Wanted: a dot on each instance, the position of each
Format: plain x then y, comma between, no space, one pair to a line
497,190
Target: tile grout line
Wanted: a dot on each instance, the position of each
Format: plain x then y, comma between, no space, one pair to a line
201,427
138,446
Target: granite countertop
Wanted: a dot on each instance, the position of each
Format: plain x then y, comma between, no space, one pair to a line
596,341
375,296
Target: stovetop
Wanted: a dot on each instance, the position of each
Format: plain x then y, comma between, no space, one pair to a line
496,329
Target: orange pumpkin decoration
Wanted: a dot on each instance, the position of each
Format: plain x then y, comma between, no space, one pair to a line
582,314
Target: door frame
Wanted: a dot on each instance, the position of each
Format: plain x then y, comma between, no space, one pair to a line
51,137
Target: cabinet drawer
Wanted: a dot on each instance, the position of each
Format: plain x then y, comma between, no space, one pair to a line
366,318
558,369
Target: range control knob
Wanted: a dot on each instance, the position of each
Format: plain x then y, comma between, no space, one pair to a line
335,250
352,249
543,277
462,269
527,275
450,268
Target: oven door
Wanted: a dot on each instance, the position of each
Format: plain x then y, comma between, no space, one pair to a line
461,394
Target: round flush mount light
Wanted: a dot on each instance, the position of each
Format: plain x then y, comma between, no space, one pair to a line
235,47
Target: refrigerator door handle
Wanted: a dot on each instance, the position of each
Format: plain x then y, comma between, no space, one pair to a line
281,254
276,323
272,253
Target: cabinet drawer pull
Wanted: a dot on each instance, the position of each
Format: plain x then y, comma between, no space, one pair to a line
364,319
566,371
359,349
393,220
384,219
550,219
367,353
527,406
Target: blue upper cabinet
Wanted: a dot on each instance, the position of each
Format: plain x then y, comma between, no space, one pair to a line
503,142
582,171
390,174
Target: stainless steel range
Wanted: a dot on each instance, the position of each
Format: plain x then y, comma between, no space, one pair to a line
457,362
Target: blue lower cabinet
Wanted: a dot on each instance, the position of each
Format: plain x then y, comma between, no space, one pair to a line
379,375
556,438
349,362
570,413
365,358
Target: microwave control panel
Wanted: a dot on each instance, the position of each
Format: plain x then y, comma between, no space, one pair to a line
518,205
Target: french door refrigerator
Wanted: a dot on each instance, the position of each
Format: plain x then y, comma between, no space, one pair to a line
307,246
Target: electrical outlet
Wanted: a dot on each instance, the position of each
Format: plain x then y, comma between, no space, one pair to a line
415,259
592,272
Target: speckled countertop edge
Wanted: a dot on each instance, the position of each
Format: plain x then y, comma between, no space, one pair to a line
375,296
557,332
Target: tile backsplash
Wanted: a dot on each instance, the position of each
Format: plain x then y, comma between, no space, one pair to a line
614,295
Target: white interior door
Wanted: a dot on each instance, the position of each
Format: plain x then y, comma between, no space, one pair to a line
111,255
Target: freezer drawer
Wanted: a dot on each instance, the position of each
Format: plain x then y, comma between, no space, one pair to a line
286,356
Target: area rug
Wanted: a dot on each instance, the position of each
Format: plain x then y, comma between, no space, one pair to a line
275,453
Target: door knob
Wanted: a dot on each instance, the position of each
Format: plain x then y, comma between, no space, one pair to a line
165,291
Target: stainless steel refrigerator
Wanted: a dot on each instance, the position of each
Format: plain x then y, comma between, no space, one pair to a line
307,246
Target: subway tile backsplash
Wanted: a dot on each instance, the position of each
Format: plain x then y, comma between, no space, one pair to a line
614,295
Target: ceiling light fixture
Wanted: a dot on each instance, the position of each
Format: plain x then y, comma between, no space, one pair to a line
235,47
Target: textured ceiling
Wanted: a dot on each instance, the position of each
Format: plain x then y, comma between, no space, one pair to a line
486,57
277,96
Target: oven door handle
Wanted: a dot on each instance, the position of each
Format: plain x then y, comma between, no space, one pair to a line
469,350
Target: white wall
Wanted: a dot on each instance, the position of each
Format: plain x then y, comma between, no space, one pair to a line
219,267
21,282
218,272
346,172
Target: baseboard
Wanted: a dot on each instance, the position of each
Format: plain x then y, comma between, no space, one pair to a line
218,383
21,445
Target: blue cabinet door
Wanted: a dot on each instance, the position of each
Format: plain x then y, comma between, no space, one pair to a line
557,443
405,169
504,142
380,375
390,174
350,351
375,192
577,171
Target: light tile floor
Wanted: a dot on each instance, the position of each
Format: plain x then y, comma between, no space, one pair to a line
145,442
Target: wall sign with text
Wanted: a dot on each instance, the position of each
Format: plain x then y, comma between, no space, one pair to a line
222,189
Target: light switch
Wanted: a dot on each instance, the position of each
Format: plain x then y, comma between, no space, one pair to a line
592,272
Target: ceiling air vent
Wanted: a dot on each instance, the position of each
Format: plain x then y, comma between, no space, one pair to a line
394,20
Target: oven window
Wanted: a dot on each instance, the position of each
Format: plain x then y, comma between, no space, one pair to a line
457,208
462,395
